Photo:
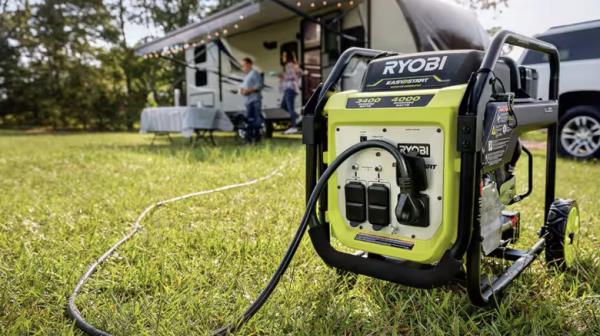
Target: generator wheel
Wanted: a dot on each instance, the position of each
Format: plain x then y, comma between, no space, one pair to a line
562,234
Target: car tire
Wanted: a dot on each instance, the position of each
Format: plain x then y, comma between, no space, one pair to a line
579,133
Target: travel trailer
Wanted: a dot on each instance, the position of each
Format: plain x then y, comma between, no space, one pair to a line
314,33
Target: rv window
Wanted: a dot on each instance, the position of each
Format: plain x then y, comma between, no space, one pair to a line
359,33
200,54
312,34
291,48
201,78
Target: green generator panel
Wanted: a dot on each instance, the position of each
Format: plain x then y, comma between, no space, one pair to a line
363,195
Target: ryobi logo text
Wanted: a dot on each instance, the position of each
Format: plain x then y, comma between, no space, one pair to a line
414,65
422,150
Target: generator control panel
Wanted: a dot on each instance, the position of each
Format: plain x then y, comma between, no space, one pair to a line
367,190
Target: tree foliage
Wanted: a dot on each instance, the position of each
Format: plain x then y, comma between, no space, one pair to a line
66,63
484,4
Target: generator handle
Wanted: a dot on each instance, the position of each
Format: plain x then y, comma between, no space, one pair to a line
508,37
340,66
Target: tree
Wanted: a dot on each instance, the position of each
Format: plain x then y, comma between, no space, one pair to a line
56,47
483,4
13,33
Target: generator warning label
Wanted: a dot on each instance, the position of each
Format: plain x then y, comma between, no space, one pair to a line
403,244
389,101
499,138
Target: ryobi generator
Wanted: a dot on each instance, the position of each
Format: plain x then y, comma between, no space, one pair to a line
415,171
420,163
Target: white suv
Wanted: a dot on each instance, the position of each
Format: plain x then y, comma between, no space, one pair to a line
579,49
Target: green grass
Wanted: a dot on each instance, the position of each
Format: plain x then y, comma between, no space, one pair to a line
66,198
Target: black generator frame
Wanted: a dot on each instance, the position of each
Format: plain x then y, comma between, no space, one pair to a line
532,114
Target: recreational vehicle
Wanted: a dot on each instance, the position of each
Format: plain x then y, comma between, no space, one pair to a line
315,33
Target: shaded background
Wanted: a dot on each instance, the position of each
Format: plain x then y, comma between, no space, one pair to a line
69,64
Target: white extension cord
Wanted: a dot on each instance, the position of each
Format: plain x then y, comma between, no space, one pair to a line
137,227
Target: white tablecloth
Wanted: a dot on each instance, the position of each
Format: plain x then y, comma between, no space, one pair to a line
183,119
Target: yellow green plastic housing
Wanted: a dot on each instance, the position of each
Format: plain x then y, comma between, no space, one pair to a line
441,111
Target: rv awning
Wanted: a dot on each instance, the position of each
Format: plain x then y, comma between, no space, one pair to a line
438,25
208,25
242,17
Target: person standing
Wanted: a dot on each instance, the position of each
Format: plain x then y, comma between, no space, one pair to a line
250,89
290,85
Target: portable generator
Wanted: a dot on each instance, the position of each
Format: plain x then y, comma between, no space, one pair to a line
415,172
420,163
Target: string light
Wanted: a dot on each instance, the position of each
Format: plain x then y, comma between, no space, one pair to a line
209,36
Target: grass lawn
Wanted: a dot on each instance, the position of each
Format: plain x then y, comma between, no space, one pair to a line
65,198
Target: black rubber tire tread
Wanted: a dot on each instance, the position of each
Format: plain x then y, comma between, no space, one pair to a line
239,127
580,110
269,128
555,232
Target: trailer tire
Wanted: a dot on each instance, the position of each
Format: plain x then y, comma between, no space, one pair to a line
562,234
239,126
579,133
269,129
